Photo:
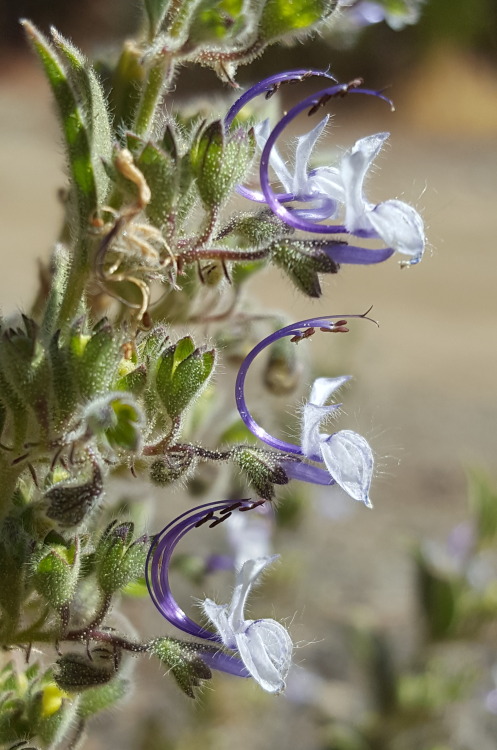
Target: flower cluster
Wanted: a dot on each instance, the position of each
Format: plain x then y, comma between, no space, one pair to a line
261,649
346,455
334,190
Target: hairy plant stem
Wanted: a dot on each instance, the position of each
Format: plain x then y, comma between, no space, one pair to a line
194,254
156,82
63,305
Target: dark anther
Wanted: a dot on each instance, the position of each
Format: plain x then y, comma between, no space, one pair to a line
305,334
272,91
320,103
251,507
219,520
203,520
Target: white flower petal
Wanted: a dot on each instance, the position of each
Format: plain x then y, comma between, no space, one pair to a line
399,226
327,181
218,615
323,388
310,438
354,166
266,650
262,131
305,144
349,459
245,579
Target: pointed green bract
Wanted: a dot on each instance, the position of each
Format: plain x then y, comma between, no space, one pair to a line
94,109
76,135
301,260
184,662
182,372
260,468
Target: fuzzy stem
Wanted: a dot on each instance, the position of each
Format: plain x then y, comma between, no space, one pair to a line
159,76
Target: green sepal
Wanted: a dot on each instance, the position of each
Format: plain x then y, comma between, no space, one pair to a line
119,560
261,469
95,358
127,82
153,343
161,173
183,661
134,381
219,161
279,18
52,729
56,574
64,382
97,699
171,467
26,368
69,503
75,672
256,230
94,109
76,136
302,260
127,422
182,372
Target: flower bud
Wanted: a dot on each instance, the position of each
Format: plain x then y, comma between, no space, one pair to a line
56,575
75,672
182,372
183,661
69,503
261,469
117,418
219,162
172,467
119,560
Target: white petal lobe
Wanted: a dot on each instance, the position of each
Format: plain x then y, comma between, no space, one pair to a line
349,459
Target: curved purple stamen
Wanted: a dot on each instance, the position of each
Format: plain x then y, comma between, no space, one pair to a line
265,86
157,577
295,329
288,216
272,83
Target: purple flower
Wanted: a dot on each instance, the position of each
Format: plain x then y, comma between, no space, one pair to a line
366,12
261,649
331,190
346,455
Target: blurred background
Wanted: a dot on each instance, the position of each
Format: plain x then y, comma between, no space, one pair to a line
425,382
